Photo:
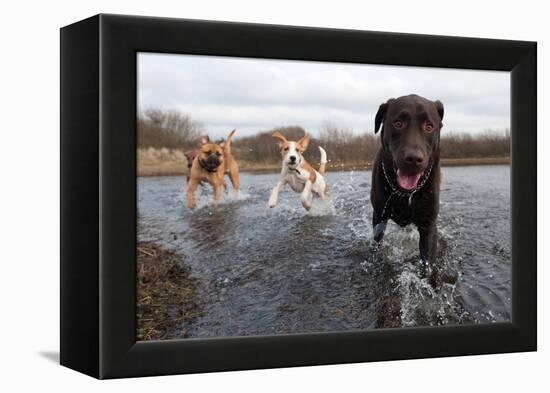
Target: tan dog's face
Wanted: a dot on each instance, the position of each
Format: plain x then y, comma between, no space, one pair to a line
292,152
210,155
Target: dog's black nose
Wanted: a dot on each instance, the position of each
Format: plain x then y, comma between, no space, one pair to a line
414,157
292,158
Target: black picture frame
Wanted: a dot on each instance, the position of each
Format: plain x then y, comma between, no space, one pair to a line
98,195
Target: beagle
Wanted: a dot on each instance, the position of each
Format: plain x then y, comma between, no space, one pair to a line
298,174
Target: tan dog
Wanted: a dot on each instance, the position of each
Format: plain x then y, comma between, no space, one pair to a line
211,164
298,174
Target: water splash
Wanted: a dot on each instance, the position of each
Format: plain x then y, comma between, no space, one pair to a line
204,197
321,207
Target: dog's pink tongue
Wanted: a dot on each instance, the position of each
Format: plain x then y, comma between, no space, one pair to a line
407,182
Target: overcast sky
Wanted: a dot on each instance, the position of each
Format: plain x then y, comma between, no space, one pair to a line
254,95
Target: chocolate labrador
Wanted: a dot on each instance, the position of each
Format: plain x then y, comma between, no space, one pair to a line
406,173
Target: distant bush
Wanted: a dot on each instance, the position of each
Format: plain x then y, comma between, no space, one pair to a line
343,146
489,143
169,129
262,147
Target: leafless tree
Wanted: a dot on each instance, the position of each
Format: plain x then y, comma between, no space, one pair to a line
171,129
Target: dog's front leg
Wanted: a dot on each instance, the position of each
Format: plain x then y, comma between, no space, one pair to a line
378,226
428,250
191,187
275,193
217,194
306,196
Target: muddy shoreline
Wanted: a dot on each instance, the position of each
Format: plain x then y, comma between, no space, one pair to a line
167,301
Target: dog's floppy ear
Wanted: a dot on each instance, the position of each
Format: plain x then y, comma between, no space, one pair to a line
280,137
303,143
190,155
380,115
204,140
440,110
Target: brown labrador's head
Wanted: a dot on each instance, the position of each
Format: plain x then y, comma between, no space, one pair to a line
292,153
410,135
210,154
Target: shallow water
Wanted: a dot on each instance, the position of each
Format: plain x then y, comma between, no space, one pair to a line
284,270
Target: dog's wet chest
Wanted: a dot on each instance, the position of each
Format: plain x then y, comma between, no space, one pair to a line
212,177
297,181
416,211
401,212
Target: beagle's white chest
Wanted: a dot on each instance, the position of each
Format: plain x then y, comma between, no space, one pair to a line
297,180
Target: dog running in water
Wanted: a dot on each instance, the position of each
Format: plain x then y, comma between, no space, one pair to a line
406,174
212,162
298,174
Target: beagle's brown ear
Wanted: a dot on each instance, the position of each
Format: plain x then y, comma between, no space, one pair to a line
303,143
439,107
280,137
380,115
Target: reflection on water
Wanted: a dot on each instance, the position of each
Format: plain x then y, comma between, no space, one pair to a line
283,270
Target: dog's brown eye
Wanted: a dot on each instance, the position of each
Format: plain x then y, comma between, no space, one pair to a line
398,124
218,153
285,149
428,127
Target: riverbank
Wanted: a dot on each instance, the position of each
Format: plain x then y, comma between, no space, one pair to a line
166,293
176,165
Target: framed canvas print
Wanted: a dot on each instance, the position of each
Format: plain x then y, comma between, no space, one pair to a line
239,196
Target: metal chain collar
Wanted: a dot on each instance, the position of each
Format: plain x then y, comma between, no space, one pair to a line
403,194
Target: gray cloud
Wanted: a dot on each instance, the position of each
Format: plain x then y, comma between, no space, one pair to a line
252,94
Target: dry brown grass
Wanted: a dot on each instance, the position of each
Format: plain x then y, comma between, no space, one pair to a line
166,294
161,162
